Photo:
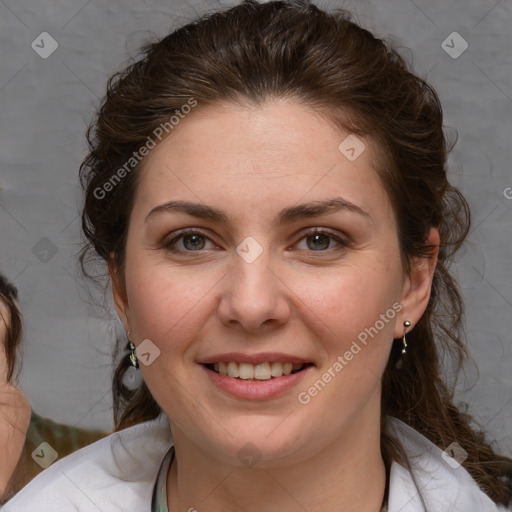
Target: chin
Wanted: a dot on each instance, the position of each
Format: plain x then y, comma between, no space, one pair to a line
264,444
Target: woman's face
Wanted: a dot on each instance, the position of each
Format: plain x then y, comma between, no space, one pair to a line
238,271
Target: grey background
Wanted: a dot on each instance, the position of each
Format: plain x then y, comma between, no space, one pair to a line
46,104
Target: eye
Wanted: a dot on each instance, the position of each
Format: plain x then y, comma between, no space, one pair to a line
316,240
189,241
320,240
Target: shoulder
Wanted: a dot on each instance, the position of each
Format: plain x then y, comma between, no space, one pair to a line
63,438
442,483
115,473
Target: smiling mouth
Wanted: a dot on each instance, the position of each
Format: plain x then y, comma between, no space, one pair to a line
263,371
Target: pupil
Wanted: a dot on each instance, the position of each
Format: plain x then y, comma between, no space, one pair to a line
195,242
320,241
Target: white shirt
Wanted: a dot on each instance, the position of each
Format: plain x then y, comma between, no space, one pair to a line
118,474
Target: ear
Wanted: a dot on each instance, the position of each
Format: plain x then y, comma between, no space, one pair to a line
418,285
119,293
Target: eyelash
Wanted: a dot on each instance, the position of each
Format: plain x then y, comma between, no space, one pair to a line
343,244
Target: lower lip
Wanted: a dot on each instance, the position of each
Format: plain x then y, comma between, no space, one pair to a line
253,389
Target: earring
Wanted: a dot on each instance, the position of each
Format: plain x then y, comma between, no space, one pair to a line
133,356
400,363
406,324
132,377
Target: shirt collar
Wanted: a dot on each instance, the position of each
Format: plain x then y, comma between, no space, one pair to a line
435,482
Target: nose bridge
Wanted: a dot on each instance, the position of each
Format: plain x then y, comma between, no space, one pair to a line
251,275
253,296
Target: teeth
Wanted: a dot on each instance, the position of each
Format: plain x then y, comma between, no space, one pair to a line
245,370
263,371
233,370
276,369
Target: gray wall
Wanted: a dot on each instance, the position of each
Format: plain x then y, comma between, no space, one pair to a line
45,105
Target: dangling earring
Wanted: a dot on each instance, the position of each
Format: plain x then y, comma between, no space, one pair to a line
133,356
406,324
132,377
399,364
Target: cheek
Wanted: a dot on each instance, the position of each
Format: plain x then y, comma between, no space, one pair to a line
157,306
345,316
346,301
166,303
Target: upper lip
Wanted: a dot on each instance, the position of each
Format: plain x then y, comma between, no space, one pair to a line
263,357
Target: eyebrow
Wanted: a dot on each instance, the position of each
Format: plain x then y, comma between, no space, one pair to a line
286,216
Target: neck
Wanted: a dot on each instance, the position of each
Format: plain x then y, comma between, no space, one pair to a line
347,474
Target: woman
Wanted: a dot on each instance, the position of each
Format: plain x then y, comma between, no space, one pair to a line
22,431
267,187
14,407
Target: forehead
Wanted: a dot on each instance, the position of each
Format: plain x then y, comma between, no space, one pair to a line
278,152
281,129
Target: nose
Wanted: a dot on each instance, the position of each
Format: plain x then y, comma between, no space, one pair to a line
254,298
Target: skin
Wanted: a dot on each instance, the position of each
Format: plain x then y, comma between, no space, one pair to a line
14,412
294,298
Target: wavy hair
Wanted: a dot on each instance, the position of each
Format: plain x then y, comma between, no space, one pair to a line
253,53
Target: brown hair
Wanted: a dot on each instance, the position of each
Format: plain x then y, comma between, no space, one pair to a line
252,53
14,326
